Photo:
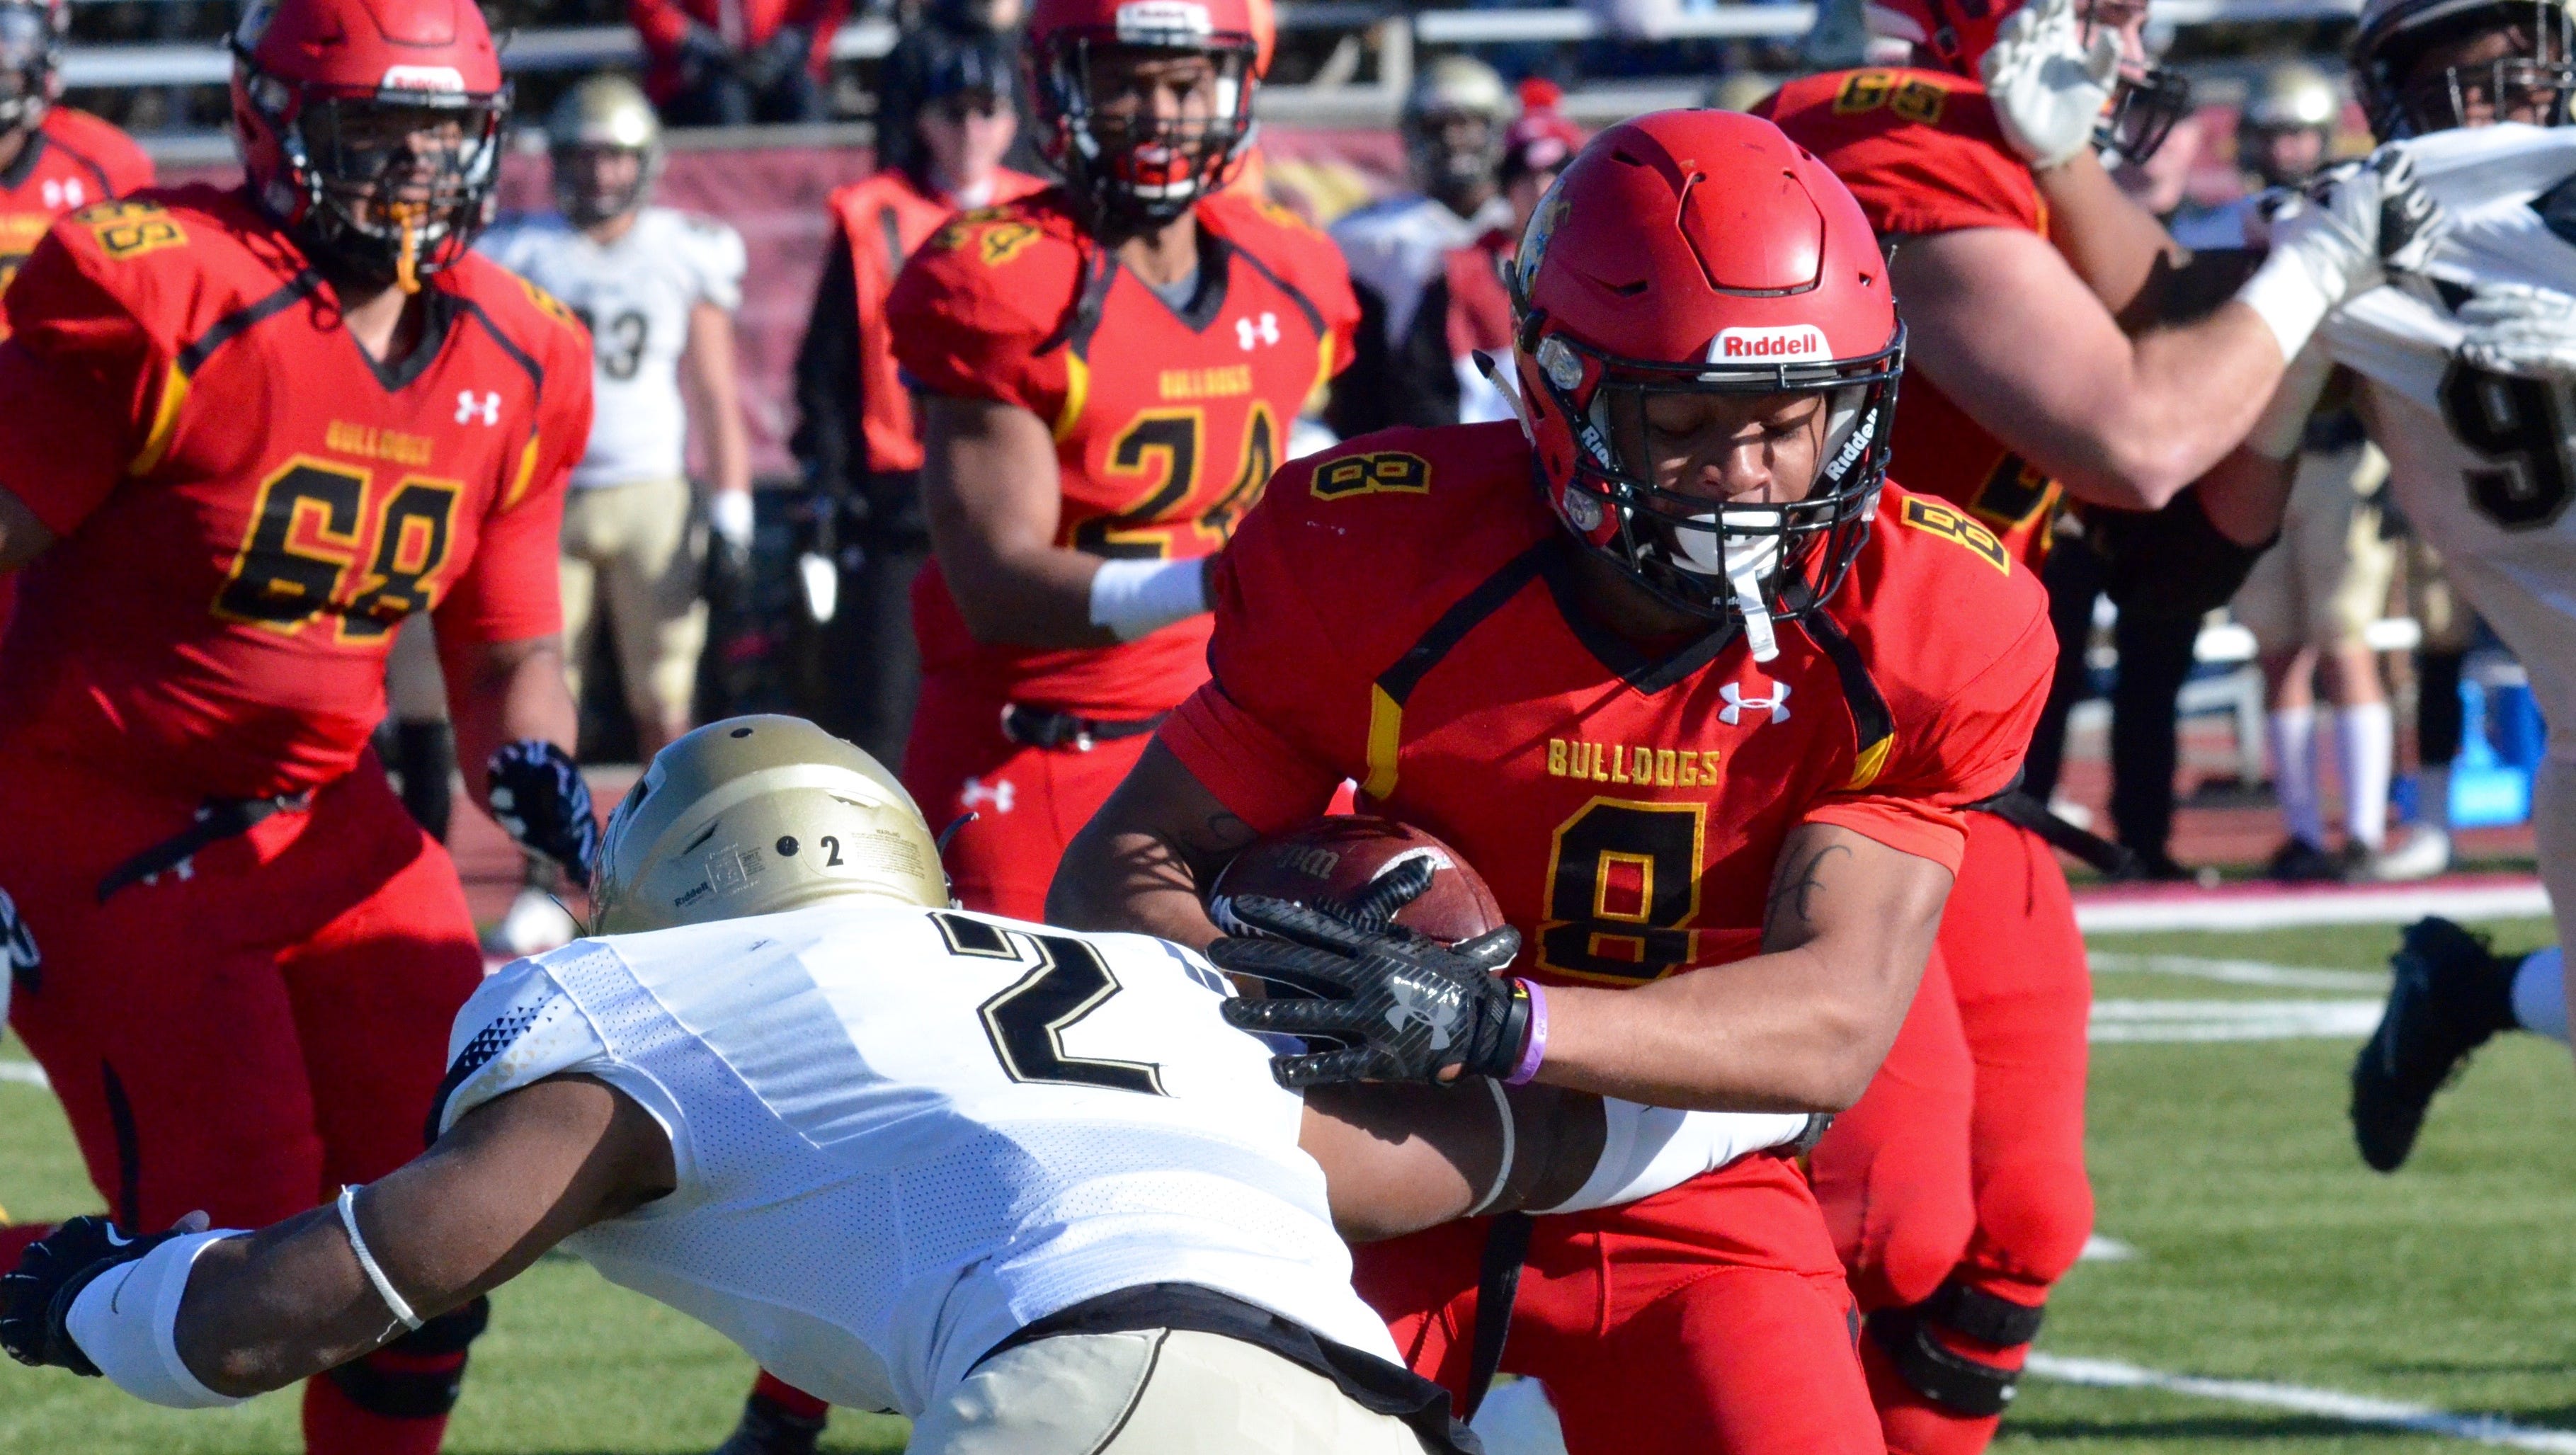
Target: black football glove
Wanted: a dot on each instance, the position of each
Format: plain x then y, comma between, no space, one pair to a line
1399,1005
36,1298
539,797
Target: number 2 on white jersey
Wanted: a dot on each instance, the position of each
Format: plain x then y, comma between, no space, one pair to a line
1026,1023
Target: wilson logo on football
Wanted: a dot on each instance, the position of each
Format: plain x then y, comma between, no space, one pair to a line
1790,344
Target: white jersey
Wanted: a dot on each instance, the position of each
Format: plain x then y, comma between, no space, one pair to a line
901,1135
2483,465
636,295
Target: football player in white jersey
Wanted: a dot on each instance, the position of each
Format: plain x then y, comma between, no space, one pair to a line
657,288
1024,1185
2464,371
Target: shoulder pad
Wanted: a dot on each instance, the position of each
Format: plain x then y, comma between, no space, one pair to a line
517,1029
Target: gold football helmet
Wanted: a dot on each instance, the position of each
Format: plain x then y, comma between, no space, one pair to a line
756,815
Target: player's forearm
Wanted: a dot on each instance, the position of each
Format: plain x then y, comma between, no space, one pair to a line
2111,242
283,1304
1398,1159
717,386
506,692
1020,593
2191,396
1146,858
1799,1028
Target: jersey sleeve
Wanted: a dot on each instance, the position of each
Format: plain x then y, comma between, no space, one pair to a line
1282,719
517,1029
510,591
81,379
1969,746
970,311
720,261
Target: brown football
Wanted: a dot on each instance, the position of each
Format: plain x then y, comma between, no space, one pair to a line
1338,858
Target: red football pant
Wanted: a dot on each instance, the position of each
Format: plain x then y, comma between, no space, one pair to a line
1965,1158
1028,802
247,1037
1709,1318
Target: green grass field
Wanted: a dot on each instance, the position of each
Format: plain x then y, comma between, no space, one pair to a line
2265,1252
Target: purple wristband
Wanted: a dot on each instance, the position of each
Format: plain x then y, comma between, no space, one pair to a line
1533,1050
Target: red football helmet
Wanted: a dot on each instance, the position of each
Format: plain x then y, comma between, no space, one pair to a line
31,52
1704,252
1956,34
1130,166
371,128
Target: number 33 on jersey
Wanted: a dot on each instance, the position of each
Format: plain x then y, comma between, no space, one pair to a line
248,503
1168,419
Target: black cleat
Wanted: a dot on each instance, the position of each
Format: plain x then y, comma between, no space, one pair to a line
2451,994
769,1428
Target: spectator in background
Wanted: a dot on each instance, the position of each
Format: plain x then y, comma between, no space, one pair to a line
657,288
736,62
1412,364
945,120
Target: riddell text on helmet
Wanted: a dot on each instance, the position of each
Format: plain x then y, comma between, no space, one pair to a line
1788,343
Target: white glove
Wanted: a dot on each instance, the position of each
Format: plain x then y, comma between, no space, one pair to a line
2518,329
729,515
2048,84
2353,225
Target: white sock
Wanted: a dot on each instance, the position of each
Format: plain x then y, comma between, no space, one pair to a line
2433,797
2294,772
2540,993
2365,744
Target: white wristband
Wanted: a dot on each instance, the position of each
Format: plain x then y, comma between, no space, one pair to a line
729,515
1133,598
1647,1149
366,1260
127,1322
2286,294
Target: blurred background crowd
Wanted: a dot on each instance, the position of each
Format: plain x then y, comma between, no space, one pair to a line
2343,720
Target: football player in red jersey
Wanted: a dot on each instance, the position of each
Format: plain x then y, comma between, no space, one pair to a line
52,158
1687,705
243,434
1111,369
1956,1187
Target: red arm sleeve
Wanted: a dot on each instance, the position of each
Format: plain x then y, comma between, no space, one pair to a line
1971,748
511,590
80,379
1281,721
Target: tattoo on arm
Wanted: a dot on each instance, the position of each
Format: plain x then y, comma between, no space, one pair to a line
1793,891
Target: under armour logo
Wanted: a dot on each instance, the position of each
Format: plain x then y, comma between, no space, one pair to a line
1777,704
1263,330
488,406
977,792
1412,1008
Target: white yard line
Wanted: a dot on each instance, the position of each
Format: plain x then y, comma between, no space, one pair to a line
2099,1248
2238,972
2355,1409
24,1073
2226,909
2231,1020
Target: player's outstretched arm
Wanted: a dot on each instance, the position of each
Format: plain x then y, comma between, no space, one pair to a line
1141,862
22,536
994,496
262,1310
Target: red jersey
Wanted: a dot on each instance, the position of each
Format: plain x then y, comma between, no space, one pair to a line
1168,422
883,221
1401,611
72,160
248,503
1923,154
